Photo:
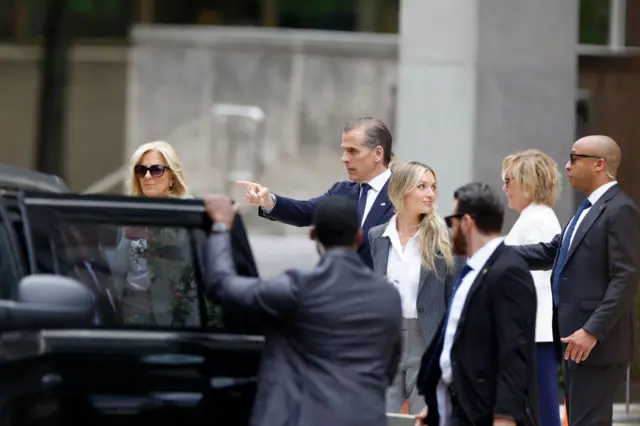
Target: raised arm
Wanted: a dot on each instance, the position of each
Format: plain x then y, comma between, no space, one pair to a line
273,298
514,308
290,211
540,256
623,235
282,209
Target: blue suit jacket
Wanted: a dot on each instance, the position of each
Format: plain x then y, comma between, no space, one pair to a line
300,213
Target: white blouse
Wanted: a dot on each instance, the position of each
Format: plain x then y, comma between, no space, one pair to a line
538,223
403,268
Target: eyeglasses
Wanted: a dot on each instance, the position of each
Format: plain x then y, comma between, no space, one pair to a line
449,219
155,170
574,157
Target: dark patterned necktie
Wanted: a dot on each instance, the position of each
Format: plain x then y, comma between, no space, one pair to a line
362,201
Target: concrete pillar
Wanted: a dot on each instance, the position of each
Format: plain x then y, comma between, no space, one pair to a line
480,79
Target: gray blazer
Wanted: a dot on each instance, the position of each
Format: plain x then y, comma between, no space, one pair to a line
332,337
434,291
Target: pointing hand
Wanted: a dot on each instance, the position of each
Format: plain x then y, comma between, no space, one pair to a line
256,194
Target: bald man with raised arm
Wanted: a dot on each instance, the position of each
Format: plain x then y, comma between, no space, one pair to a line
595,266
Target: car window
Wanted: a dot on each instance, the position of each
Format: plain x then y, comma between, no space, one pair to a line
141,276
140,257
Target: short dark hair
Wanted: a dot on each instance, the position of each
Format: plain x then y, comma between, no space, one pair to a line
336,221
376,133
483,204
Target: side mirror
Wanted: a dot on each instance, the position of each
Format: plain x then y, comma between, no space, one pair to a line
46,302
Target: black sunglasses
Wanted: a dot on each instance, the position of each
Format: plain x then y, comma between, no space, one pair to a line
574,157
449,219
155,170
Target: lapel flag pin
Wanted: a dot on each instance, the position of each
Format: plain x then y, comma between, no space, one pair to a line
383,204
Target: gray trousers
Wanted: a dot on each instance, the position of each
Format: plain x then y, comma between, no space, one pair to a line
404,385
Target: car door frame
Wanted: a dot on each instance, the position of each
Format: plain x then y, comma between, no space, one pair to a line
14,249
121,210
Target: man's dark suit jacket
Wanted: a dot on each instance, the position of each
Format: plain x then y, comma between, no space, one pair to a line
599,279
300,213
493,353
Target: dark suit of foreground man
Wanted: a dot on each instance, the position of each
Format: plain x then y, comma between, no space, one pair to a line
366,146
333,335
595,265
481,371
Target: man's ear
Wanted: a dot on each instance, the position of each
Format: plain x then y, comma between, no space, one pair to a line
358,239
313,234
380,152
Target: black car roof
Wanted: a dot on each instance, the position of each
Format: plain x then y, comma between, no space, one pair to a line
18,178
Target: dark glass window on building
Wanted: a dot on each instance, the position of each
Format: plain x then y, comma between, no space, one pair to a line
207,12
7,12
109,19
318,14
594,21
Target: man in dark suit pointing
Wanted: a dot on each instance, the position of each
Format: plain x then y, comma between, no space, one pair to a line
596,262
366,146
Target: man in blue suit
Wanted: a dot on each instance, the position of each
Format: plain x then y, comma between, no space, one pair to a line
366,153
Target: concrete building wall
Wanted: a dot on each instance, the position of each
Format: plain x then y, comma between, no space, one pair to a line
95,110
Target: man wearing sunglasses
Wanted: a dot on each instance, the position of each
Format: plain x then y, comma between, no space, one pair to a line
481,369
595,264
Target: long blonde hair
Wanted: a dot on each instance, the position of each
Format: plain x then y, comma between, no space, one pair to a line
179,188
434,237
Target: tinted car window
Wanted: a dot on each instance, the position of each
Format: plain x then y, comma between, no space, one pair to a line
61,231
141,276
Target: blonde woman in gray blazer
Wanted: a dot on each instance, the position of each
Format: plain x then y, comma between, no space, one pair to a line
149,282
414,252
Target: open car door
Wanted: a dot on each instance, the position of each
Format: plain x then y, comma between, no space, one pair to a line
159,350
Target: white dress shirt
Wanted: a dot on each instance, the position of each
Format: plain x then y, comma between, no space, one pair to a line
593,198
376,185
538,223
476,262
403,268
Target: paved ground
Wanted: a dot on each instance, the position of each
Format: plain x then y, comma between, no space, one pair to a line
620,416
274,254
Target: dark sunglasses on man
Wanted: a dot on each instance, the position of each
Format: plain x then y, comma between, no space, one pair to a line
449,219
574,157
155,170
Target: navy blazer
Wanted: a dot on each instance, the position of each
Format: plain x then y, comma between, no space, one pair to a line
300,213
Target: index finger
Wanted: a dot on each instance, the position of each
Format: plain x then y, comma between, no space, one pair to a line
246,183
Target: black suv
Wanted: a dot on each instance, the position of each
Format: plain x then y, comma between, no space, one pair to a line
95,334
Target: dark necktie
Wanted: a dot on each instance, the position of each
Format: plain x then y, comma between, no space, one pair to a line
362,201
564,249
463,273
